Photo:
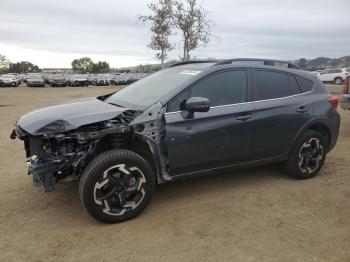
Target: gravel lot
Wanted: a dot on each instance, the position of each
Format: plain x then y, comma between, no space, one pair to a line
250,215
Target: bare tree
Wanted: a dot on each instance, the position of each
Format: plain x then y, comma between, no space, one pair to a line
194,23
160,17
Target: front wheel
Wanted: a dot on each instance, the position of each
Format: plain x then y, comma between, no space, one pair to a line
116,186
307,155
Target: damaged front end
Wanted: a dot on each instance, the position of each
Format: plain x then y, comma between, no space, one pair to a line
54,157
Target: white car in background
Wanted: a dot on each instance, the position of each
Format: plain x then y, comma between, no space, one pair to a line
335,75
10,80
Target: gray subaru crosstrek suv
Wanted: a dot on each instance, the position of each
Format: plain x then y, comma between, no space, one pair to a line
193,118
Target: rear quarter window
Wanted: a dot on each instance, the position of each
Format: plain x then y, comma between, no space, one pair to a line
306,84
294,86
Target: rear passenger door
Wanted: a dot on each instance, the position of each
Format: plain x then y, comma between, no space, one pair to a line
281,109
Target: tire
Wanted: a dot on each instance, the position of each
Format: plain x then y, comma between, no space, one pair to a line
101,184
338,81
303,164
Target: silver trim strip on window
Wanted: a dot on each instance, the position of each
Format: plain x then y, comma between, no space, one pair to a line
272,99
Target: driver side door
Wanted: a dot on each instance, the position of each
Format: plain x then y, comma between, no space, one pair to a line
217,138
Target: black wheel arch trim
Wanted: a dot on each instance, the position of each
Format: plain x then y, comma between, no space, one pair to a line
314,121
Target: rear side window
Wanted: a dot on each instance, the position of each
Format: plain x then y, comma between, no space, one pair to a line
306,84
270,84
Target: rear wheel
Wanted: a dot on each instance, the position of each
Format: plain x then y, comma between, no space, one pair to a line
307,156
338,81
116,186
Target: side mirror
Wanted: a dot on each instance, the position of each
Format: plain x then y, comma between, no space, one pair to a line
195,104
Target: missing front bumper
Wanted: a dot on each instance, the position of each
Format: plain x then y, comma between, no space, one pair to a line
43,173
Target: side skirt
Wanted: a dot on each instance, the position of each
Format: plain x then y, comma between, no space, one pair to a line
216,170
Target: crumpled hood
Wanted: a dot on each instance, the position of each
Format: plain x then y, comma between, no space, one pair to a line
66,117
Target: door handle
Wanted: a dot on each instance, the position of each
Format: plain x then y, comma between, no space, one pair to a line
244,117
302,109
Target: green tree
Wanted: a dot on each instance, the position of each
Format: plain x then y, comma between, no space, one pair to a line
101,67
23,67
144,69
82,65
4,64
161,23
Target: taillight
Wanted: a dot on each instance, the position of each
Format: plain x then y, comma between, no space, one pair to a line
346,85
334,101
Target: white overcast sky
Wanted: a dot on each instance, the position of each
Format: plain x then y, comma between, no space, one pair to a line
53,33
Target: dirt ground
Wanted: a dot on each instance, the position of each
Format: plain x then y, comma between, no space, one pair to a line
257,214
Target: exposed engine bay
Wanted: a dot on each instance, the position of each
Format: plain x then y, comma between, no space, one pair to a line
57,156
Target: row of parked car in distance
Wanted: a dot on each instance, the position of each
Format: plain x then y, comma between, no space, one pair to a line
334,75
63,80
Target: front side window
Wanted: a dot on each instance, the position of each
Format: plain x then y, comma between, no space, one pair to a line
270,84
224,88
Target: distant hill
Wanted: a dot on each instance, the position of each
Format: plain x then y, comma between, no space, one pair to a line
323,63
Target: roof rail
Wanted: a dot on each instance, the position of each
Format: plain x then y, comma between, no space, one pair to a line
269,62
193,62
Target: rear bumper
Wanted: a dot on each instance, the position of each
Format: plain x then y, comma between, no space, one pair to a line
345,102
335,125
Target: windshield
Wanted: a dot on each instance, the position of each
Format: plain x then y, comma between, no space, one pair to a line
149,90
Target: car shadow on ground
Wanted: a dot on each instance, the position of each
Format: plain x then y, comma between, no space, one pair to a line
66,197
